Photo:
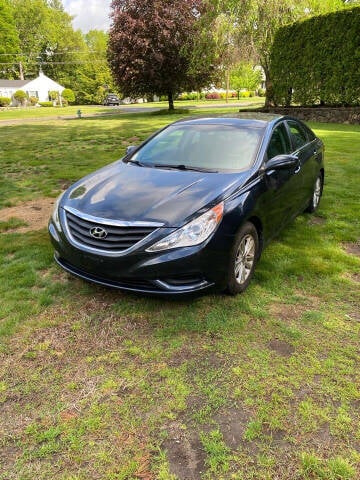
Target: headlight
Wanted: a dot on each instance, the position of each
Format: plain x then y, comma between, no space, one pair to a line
55,214
193,233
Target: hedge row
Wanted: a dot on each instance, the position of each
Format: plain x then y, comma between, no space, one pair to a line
316,61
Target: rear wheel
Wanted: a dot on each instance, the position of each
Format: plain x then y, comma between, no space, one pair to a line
243,258
316,196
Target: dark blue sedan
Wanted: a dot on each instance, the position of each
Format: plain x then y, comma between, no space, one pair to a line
190,208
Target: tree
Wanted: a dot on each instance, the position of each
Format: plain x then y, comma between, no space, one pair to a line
94,78
47,39
42,31
224,34
258,21
151,47
244,75
9,39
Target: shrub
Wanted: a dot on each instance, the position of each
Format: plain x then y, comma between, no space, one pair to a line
231,94
245,94
83,98
261,92
20,96
317,60
212,96
5,101
33,101
54,95
194,96
99,98
46,104
68,95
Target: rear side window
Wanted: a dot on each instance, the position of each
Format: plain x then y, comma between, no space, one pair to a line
309,133
279,142
298,135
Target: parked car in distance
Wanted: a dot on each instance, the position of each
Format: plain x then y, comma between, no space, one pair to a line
111,99
192,207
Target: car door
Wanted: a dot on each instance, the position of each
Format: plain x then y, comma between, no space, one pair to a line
282,196
305,149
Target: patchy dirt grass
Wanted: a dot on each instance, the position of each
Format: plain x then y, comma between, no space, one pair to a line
184,452
353,248
35,214
281,347
316,220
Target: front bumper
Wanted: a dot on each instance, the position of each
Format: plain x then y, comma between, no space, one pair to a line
173,272
172,286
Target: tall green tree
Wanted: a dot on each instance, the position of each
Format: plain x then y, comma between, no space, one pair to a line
244,75
94,79
225,40
47,38
9,40
151,47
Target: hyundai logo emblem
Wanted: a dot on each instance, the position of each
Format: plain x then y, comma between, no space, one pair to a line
98,232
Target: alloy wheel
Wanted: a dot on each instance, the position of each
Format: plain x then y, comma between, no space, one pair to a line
317,193
245,258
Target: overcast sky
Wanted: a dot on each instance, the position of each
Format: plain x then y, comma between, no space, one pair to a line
89,14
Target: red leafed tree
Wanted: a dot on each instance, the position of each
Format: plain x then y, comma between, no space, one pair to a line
152,45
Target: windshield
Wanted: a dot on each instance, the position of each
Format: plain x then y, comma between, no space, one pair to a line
210,147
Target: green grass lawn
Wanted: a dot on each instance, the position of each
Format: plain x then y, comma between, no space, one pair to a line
41,112
97,384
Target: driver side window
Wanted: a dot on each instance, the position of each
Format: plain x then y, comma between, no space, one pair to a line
279,142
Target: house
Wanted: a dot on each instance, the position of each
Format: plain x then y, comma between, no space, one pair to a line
39,87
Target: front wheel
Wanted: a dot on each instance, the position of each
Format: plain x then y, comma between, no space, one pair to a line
316,196
243,258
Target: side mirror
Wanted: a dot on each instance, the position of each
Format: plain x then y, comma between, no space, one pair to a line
281,162
130,149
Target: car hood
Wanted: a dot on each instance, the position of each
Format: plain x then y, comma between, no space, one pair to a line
127,192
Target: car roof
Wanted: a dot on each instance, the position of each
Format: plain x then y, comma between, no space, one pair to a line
244,119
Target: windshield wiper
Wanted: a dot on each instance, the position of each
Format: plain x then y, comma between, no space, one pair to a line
181,166
137,162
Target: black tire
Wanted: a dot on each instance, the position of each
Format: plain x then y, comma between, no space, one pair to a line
316,195
243,258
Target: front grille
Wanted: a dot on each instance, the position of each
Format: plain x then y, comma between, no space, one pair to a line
118,238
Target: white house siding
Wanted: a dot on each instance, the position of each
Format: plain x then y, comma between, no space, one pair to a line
39,88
